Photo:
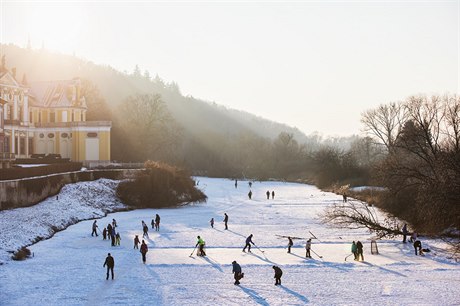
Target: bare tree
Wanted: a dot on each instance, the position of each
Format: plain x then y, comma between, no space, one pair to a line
385,123
356,215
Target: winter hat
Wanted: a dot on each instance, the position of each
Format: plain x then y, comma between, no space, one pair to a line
234,262
109,254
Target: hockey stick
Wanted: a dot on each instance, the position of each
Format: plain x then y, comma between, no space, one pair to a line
316,254
314,236
259,249
192,252
348,256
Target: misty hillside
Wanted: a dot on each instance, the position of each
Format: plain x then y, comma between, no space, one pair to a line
194,115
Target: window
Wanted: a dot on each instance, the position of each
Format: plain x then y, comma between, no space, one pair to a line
53,117
50,135
31,117
6,144
39,116
91,135
31,146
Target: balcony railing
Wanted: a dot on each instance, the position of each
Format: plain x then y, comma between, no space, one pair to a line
6,156
72,124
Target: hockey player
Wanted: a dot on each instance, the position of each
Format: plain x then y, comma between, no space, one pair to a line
359,247
290,244
250,194
418,246
354,250
145,229
308,248
212,222
226,220
117,239
201,244
278,274
268,194
104,234
248,244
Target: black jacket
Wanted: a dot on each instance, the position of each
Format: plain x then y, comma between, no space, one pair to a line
109,261
278,271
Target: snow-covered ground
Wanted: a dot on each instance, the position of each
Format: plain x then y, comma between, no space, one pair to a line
67,269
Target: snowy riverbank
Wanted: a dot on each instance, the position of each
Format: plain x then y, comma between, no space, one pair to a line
76,202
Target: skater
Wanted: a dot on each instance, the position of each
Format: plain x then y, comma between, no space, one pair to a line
268,194
418,245
201,244
212,222
250,184
413,237
250,194
114,223
344,198
359,247
112,236
109,229
273,194
354,250
278,274
104,234
110,263
144,250
226,220
404,232
308,248
290,244
157,222
237,273
117,239
136,242
145,229
153,224
248,244
94,229
236,183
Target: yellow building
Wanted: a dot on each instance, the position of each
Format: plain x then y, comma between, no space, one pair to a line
49,118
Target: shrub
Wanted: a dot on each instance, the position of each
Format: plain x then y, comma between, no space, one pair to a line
160,185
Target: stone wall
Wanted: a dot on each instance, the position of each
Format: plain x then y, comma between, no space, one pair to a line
30,191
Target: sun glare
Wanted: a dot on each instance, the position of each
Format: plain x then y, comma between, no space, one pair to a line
57,26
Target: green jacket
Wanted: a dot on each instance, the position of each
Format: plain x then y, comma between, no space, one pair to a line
354,248
200,242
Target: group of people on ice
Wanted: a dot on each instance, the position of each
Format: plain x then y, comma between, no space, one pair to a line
414,239
238,273
108,232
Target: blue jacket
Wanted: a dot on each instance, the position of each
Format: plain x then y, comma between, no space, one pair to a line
249,240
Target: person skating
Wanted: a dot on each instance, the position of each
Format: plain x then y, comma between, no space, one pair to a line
413,237
226,220
273,194
359,247
418,246
200,244
157,222
104,234
308,248
114,223
404,232
136,242
144,250
110,263
109,229
236,183
237,272
248,244
268,194
153,223
278,274
250,194
145,230
250,184
212,222
354,250
94,228
117,239
290,244
344,198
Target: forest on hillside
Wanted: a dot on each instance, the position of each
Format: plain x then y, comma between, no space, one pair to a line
411,147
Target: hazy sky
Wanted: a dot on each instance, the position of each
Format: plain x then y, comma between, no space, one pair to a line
315,65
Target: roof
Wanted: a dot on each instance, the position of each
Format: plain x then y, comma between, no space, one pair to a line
55,94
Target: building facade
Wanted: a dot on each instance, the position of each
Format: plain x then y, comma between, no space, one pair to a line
49,118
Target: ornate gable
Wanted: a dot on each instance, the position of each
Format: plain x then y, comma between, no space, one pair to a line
7,79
